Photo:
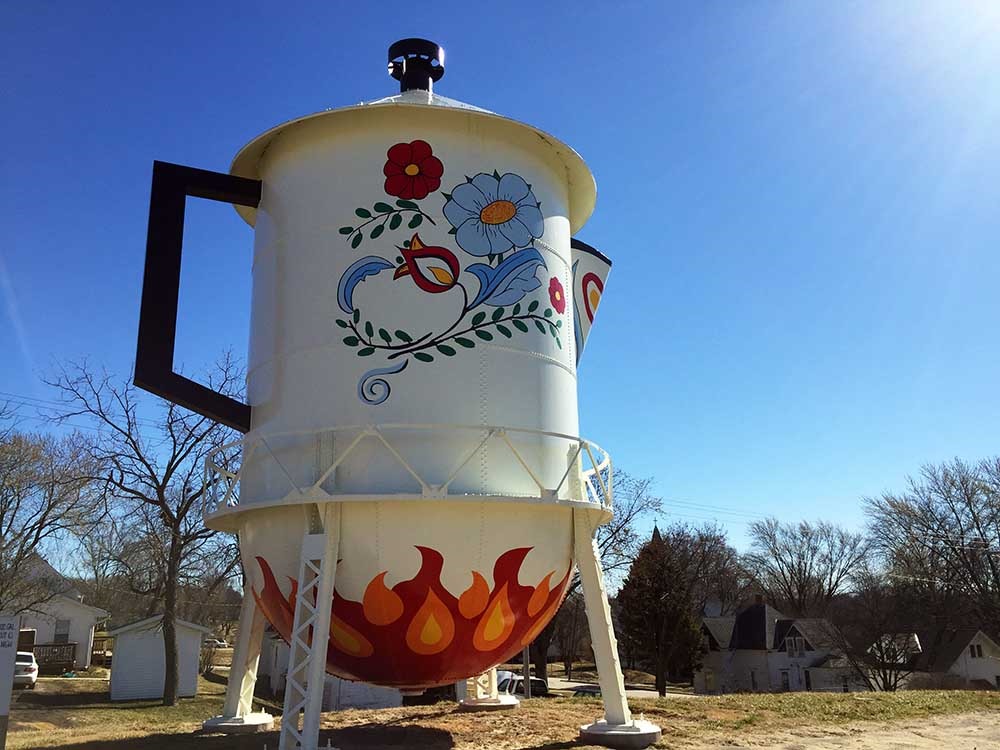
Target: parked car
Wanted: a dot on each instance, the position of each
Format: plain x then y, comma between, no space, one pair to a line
215,643
25,670
515,686
587,691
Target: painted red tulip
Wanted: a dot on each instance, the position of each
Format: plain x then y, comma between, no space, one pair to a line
418,263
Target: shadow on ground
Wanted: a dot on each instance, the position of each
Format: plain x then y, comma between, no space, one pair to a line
364,737
38,699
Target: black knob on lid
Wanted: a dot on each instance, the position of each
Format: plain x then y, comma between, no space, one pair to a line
416,63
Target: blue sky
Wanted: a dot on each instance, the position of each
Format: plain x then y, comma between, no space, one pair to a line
801,201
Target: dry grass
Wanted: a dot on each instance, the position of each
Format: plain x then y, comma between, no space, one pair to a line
77,714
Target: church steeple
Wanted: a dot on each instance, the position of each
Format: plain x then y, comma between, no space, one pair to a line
656,534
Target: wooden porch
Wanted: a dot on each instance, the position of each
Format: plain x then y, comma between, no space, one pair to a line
55,658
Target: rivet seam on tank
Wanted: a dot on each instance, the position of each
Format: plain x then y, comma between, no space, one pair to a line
483,419
493,216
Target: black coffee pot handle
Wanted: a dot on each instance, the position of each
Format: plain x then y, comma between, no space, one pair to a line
154,357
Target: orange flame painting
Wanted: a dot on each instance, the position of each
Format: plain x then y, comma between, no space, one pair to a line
417,634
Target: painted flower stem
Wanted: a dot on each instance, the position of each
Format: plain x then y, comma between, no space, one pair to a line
367,341
383,219
448,336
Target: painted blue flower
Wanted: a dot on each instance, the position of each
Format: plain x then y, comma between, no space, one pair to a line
508,282
492,214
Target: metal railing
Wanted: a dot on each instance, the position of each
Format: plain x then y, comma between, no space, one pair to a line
224,466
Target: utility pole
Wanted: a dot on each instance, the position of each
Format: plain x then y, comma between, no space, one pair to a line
526,671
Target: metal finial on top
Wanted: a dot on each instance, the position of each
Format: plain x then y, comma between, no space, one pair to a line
416,63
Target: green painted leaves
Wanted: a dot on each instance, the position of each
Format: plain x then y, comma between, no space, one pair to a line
381,216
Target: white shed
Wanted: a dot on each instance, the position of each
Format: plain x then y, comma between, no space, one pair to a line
338,694
139,662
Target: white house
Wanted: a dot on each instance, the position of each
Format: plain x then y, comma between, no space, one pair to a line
63,620
139,663
760,650
965,656
337,693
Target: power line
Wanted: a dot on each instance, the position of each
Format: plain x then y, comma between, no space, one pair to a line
61,408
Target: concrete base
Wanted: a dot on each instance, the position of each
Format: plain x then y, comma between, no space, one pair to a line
256,722
640,733
502,702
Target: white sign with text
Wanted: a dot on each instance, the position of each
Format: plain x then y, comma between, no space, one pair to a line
9,627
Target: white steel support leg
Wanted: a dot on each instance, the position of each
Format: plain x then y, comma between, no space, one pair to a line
481,694
246,656
618,728
237,711
310,634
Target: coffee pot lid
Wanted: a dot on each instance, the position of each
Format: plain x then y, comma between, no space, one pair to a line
417,64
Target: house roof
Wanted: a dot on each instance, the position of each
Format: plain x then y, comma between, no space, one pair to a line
754,627
97,611
39,570
761,627
818,631
151,623
942,649
721,629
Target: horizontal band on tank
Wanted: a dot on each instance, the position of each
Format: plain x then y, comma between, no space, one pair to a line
585,474
231,518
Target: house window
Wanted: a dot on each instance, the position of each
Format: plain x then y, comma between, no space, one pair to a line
979,650
809,682
62,632
753,680
795,646
785,686
845,685
975,651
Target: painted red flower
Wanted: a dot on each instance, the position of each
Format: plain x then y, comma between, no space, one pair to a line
556,295
433,279
412,171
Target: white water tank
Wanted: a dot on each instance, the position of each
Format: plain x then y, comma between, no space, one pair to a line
418,312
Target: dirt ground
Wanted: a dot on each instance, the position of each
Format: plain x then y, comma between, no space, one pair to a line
76,713
976,731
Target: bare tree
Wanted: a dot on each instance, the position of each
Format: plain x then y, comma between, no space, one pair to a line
570,630
42,499
875,629
151,474
802,567
617,542
943,534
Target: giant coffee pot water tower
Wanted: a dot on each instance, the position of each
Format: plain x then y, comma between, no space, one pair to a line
411,493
